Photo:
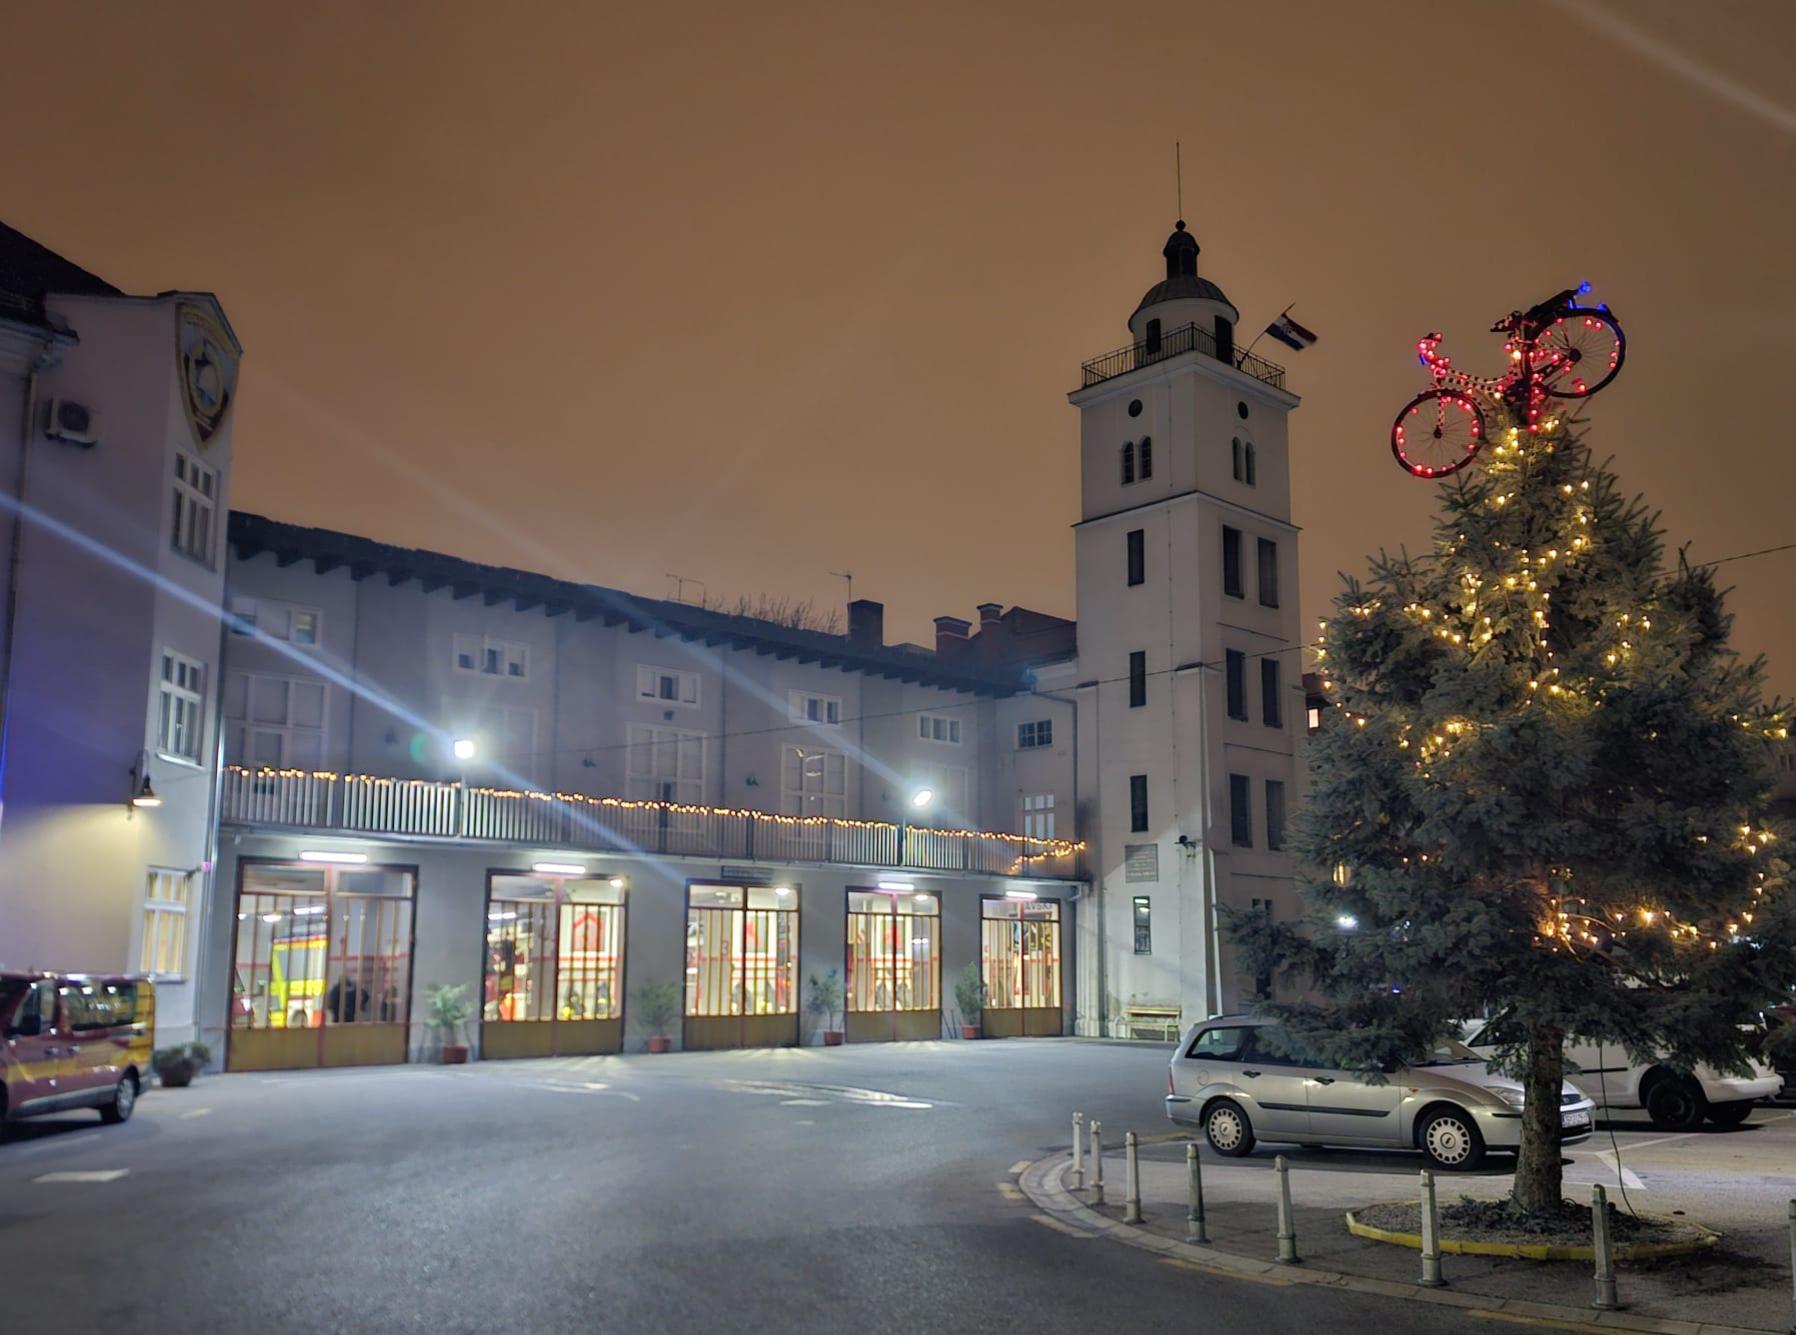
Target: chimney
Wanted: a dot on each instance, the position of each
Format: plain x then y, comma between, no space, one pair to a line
989,615
951,636
867,623
990,643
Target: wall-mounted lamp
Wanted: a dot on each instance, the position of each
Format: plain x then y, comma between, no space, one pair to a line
142,791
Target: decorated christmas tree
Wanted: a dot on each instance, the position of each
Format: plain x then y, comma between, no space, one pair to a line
1539,795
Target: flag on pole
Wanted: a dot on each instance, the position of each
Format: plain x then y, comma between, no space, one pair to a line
1290,333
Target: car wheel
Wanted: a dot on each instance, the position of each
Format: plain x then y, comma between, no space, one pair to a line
1227,1129
1451,1140
124,1099
1729,1114
1675,1103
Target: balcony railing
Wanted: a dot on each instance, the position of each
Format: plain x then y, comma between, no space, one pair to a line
1186,338
363,804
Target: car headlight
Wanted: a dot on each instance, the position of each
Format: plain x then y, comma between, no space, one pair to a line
1513,1097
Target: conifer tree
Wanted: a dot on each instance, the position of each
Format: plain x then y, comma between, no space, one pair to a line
1539,796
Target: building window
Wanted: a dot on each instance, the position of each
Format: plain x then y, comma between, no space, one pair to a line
1315,718
276,620
1038,815
813,782
1153,337
1137,803
1236,663
1268,573
163,953
491,658
667,686
273,722
741,950
1137,556
1145,454
665,765
1275,813
1249,478
180,714
802,707
1240,811
1144,926
1138,679
938,728
196,504
1235,458
1272,707
1128,462
1231,562
894,951
1030,736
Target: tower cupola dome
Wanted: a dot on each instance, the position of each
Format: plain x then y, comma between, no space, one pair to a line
1182,297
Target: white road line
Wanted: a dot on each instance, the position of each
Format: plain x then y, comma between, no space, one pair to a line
1010,1191
1629,1178
85,1175
1017,1167
194,1112
804,1103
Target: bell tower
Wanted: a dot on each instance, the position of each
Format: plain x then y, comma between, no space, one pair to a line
1190,682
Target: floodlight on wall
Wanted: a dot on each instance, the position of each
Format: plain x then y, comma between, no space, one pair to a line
142,793
619,882
896,887
1020,894
334,858
558,868
922,798
464,748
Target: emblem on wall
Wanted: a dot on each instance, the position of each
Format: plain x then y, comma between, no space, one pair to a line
208,370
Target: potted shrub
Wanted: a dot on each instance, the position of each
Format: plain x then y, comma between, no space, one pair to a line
449,1011
969,995
177,1066
657,1007
823,998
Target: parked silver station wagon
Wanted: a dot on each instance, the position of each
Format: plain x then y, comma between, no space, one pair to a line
1225,1079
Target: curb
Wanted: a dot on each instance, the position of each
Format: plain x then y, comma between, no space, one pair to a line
1043,1182
1540,1251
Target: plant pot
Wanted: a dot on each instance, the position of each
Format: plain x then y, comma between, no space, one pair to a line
455,1054
658,1043
176,1077
969,1031
832,1038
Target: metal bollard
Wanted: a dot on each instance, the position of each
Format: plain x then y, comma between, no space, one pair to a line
1132,1187
1194,1197
1287,1227
1605,1260
1078,1150
1431,1235
1097,1162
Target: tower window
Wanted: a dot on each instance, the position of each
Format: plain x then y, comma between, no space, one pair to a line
1137,803
1231,562
1268,573
1153,337
1249,479
1144,925
1137,556
1272,708
1240,811
1236,457
1137,679
1236,673
1128,462
1225,340
1147,457
1241,408
1134,407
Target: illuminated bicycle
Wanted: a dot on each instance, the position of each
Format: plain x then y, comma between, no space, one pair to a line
1557,350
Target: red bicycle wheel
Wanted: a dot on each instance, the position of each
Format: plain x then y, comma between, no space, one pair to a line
1579,353
1437,433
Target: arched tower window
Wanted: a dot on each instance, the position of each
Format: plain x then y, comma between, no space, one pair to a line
1225,340
1128,462
1147,457
1250,468
1153,338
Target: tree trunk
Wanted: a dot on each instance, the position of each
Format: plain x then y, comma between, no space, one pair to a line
1539,1178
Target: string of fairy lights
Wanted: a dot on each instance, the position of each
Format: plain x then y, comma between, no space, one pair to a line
1567,922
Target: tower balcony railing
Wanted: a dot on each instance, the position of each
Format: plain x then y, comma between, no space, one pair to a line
1174,343
324,801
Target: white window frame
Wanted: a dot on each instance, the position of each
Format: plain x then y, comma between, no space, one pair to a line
827,795
241,729
648,686
809,707
1038,815
481,650
194,532
1036,741
254,616
180,707
167,898
643,778
938,728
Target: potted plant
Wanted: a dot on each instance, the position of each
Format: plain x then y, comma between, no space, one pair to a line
823,998
657,1007
177,1066
449,1011
969,995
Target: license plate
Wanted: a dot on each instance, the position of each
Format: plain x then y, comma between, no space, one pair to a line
1572,1119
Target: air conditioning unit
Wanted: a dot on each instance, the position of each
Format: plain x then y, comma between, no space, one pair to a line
69,421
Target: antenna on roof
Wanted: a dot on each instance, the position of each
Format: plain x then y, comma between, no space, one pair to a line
681,581
849,576
1178,175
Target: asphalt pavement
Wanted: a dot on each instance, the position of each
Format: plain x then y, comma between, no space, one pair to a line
866,1188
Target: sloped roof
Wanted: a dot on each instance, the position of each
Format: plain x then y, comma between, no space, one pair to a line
28,269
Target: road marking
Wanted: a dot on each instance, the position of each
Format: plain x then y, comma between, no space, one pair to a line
1017,1168
1060,1226
804,1103
804,1123
1010,1191
84,1175
194,1112
1629,1178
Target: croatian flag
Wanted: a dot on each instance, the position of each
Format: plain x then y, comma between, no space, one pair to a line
1290,333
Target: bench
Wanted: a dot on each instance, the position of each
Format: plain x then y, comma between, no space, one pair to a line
1159,1023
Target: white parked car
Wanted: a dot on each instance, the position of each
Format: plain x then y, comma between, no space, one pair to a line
1675,1101
1451,1106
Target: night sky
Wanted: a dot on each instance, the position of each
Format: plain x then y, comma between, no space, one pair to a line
755,293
